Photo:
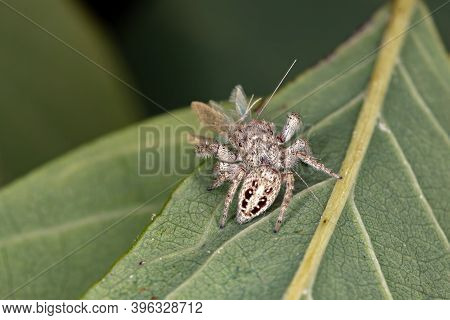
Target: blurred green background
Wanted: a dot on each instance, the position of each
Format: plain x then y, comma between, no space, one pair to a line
54,97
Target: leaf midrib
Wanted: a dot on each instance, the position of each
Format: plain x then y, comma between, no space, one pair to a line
392,42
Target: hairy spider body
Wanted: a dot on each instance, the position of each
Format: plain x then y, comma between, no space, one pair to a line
254,155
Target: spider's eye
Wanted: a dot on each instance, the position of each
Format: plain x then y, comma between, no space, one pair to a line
255,183
268,190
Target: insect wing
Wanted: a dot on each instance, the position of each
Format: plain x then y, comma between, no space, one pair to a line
239,98
211,117
196,139
215,105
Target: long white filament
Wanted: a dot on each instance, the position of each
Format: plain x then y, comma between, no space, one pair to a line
278,86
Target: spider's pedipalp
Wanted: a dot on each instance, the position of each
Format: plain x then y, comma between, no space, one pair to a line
225,154
292,125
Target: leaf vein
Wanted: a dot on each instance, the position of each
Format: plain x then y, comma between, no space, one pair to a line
173,254
428,209
370,249
428,59
336,113
422,104
53,230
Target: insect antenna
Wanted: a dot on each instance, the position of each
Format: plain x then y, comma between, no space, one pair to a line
309,189
250,101
249,107
274,91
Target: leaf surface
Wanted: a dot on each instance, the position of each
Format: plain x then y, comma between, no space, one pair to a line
391,239
63,226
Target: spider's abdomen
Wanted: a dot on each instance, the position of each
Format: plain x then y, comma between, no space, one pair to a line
258,192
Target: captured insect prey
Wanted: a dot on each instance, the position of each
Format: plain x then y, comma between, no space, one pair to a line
253,154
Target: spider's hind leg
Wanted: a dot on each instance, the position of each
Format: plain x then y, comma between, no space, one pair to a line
289,179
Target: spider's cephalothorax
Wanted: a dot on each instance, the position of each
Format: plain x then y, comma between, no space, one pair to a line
253,154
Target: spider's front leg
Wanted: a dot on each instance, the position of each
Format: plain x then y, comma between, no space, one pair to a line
289,179
292,125
206,147
223,171
219,151
221,177
235,181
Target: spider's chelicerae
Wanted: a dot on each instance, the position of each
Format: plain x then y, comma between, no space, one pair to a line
254,154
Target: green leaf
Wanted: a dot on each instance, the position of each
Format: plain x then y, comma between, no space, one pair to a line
63,226
391,239
52,98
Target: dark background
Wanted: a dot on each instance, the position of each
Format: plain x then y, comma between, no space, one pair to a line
180,50
52,99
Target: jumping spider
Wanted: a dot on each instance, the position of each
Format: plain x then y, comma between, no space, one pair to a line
253,153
